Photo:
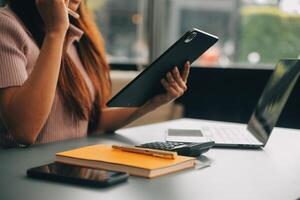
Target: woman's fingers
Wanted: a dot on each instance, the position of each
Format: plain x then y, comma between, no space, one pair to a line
179,79
170,90
170,78
186,71
54,14
175,83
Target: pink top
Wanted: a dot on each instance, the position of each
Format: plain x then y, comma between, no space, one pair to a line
18,55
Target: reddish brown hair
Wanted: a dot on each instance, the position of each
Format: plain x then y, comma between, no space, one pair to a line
73,88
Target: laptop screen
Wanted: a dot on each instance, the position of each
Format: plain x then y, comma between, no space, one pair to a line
273,99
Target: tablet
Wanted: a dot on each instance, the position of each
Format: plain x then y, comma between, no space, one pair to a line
147,84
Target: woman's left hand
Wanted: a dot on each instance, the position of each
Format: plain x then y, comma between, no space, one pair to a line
175,85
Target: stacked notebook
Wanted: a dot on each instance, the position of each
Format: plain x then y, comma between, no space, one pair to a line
105,157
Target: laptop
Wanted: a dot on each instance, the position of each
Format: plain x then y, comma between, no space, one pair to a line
265,114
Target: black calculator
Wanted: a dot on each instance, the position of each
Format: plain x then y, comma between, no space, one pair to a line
182,148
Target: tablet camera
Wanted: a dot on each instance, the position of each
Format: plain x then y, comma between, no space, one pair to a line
190,37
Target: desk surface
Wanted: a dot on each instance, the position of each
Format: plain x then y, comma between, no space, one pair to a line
272,173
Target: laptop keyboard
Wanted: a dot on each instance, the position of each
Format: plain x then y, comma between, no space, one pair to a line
229,135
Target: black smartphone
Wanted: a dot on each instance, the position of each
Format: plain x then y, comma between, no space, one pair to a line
77,175
147,84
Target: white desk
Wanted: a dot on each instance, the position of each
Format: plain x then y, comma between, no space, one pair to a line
272,173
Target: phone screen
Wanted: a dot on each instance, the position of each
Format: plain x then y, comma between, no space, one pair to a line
185,135
76,174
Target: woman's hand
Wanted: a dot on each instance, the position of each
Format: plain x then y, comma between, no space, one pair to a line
54,14
175,85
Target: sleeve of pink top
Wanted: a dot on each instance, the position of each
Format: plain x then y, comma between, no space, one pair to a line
13,60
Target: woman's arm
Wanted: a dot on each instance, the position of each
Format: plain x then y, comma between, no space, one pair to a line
25,109
115,118
175,85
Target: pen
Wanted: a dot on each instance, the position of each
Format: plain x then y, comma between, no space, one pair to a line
151,152
73,14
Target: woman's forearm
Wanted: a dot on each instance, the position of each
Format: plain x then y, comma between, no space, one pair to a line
115,118
27,107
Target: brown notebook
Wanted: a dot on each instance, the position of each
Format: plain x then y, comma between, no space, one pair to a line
105,157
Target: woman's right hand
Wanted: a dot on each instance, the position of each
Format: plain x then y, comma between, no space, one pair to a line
54,14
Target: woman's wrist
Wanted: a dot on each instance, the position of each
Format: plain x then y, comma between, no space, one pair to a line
57,34
148,107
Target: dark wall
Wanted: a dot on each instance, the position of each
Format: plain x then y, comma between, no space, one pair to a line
231,94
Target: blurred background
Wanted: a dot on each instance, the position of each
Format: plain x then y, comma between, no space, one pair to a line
253,33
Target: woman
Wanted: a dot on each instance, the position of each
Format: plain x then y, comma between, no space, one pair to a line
54,79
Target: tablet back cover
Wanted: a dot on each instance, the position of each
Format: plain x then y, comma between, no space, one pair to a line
147,84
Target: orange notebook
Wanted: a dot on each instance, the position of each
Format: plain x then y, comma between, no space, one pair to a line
105,157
